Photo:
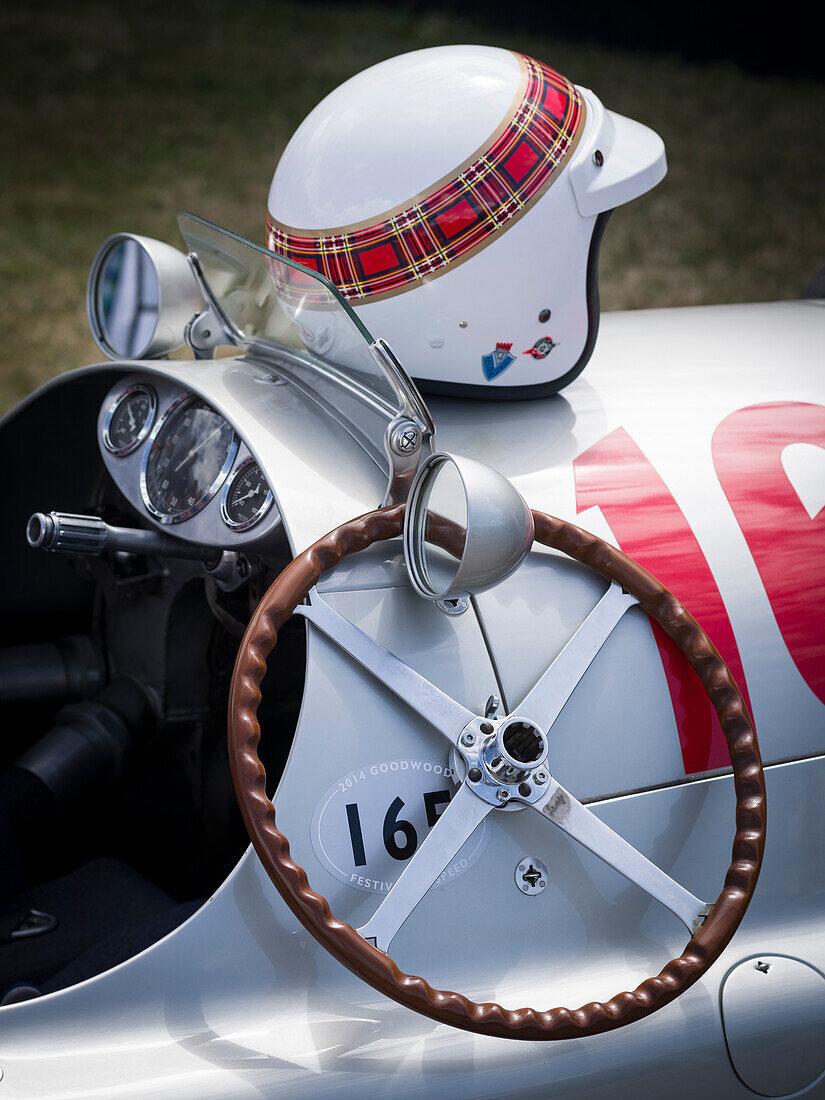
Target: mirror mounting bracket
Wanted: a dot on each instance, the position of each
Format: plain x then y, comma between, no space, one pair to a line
204,333
408,438
411,402
406,442
208,329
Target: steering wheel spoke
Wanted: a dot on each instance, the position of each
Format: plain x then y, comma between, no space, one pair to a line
453,829
439,709
590,831
544,702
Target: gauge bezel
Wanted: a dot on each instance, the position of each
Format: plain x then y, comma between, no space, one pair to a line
181,517
121,452
227,489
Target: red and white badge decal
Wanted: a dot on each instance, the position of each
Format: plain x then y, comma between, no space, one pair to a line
542,347
371,822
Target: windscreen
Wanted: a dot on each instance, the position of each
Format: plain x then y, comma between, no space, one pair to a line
270,300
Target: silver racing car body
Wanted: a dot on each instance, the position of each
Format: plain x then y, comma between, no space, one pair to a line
149,505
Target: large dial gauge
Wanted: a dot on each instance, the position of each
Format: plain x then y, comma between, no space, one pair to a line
129,420
191,451
246,497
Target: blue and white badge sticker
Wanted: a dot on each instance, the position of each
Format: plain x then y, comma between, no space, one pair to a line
371,822
497,361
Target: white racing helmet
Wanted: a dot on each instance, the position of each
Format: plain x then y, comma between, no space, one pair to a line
456,197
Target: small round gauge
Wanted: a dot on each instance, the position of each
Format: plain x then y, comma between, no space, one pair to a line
129,419
192,450
246,498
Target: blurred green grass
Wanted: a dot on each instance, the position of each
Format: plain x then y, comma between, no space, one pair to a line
113,116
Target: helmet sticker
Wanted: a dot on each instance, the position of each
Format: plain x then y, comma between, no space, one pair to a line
497,361
457,216
542,347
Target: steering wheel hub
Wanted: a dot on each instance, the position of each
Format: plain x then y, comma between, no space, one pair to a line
503,761
518,748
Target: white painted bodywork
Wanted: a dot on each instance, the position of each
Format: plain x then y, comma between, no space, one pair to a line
240,1001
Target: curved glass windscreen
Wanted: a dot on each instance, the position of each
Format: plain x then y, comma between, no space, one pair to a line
270,300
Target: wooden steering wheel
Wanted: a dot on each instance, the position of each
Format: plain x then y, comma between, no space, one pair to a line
505,760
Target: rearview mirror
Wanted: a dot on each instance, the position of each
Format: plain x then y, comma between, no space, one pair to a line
466,528
140,296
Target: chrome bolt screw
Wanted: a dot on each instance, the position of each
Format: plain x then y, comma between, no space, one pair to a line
455,605
468,739
405,438
502,795
531,875
540,777
491,706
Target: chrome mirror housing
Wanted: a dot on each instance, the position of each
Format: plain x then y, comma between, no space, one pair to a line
140,297
466,528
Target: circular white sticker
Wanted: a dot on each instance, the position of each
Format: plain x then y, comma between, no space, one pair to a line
371,822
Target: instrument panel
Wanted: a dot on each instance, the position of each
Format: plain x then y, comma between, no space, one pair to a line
178,461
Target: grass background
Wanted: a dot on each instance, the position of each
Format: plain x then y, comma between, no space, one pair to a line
113,116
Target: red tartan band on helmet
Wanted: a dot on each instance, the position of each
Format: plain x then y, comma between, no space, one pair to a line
461,215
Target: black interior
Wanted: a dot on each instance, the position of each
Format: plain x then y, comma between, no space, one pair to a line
117,814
